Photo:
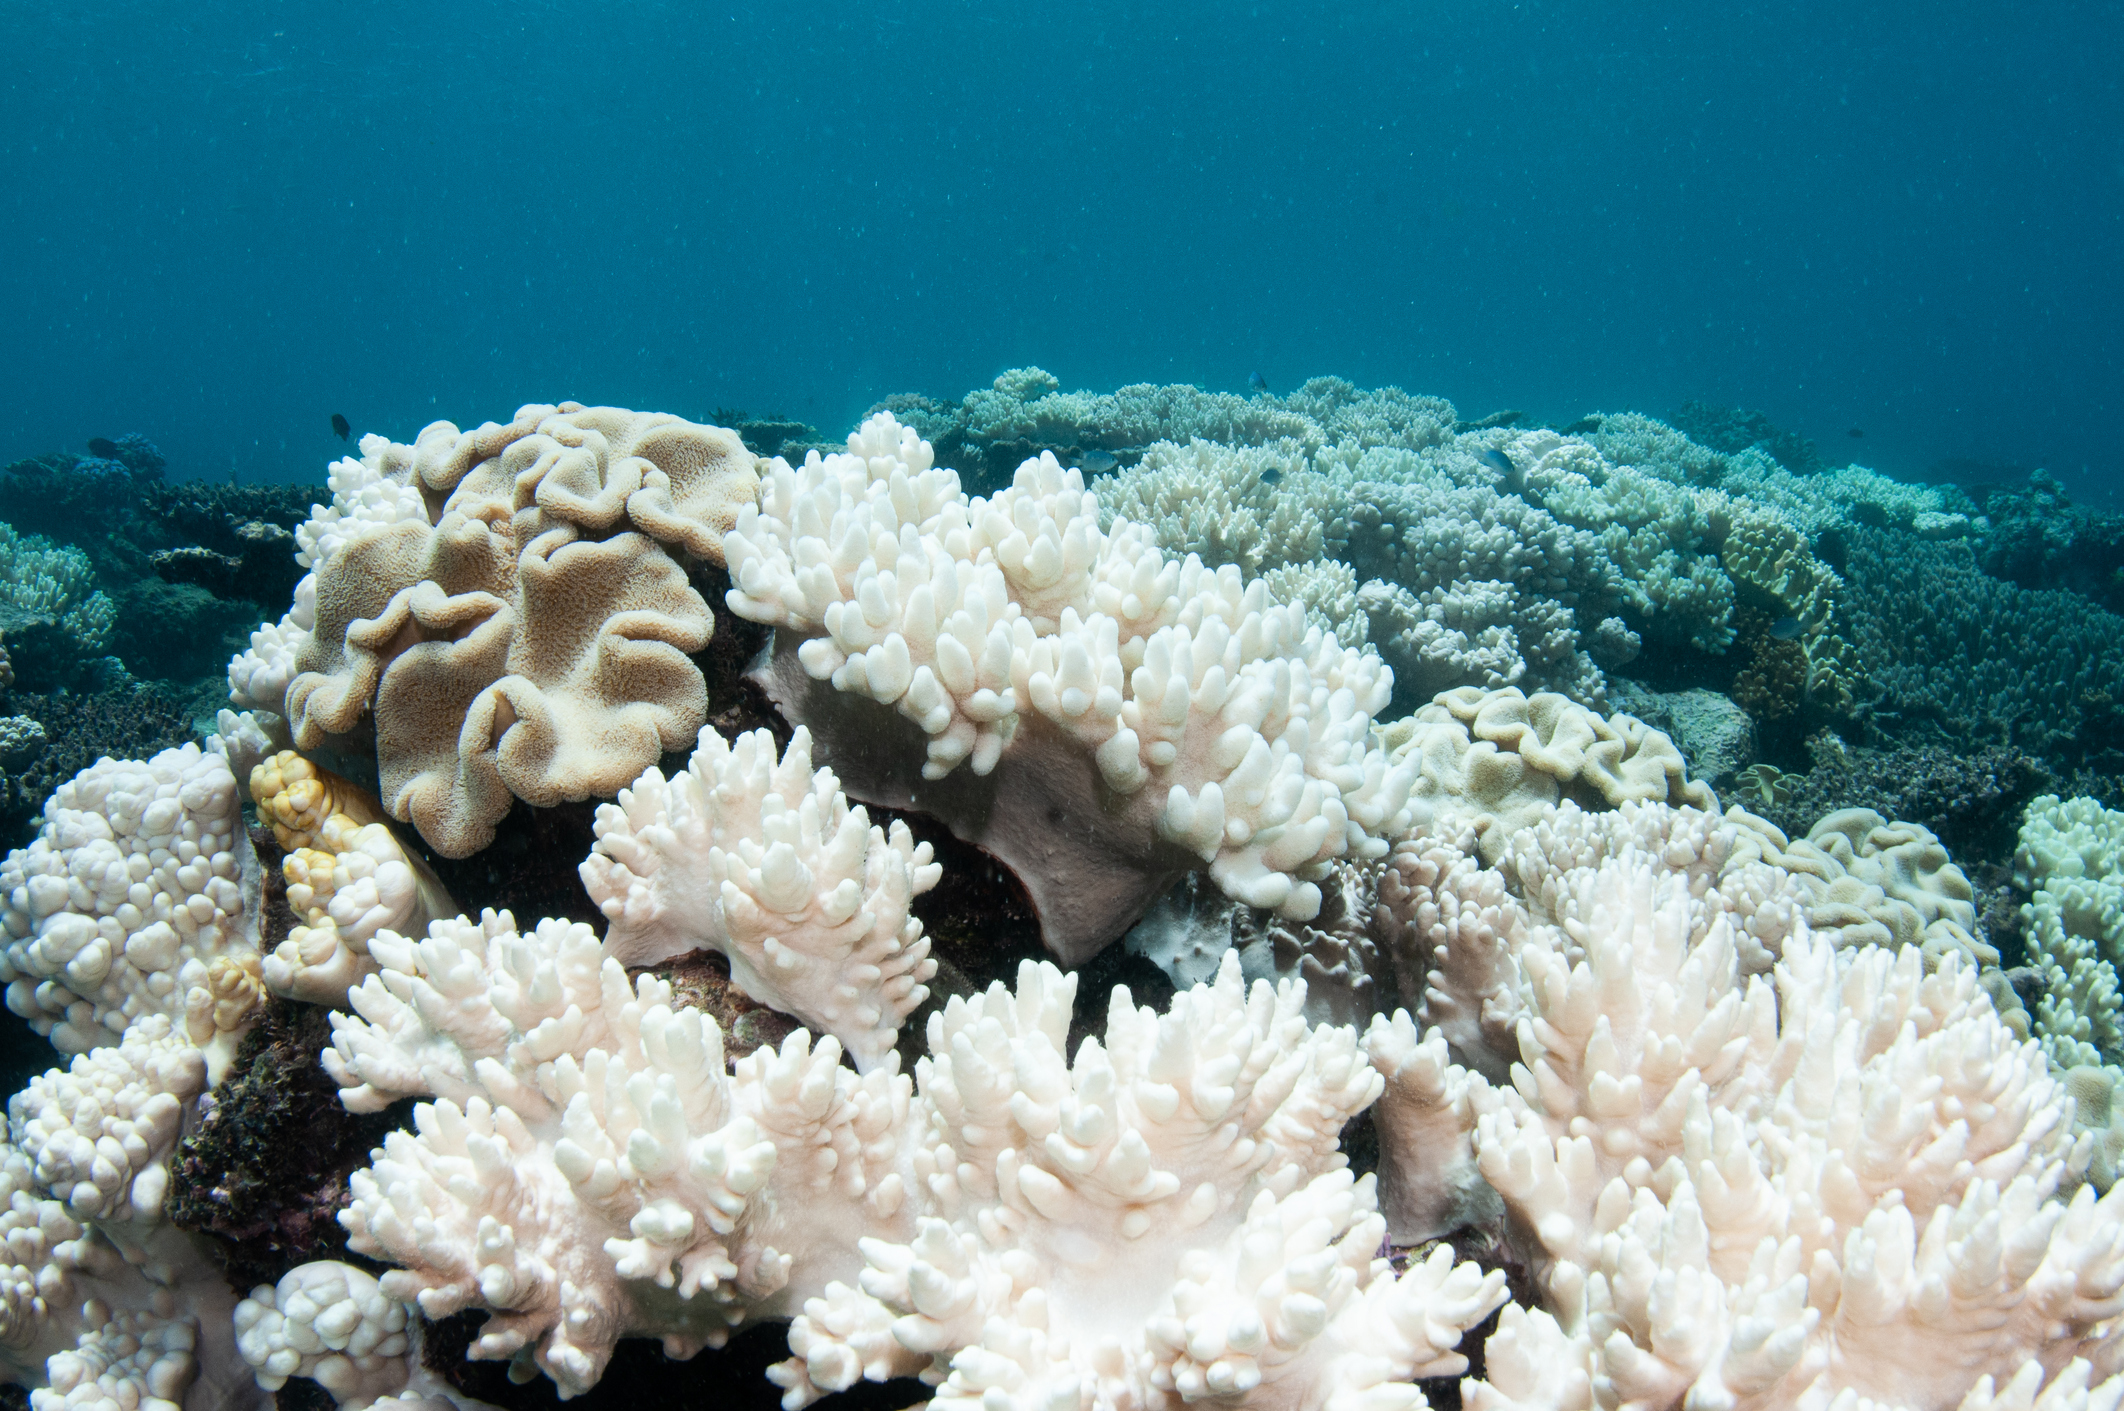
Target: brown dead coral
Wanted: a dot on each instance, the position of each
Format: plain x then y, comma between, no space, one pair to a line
532,640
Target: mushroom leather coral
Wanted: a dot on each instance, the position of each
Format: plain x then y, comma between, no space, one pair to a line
531,640
1497,760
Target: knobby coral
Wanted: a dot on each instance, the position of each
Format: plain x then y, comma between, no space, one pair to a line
768,864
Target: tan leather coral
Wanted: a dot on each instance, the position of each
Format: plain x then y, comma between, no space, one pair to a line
532,640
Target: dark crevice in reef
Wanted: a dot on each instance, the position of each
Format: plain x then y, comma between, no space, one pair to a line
701,980
263,1170
729,1378
529,868
729,653
1488,1248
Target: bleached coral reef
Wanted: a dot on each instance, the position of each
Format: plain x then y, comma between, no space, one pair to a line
768,864
1843,1177
1475,1044
138,897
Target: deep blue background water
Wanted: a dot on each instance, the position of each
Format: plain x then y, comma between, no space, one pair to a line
224,222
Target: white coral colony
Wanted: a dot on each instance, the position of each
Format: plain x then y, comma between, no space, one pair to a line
1139,716
1736,1105
768,864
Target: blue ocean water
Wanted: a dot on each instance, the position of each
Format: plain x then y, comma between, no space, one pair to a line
226,222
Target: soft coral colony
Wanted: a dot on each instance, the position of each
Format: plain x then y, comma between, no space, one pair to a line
1735,1112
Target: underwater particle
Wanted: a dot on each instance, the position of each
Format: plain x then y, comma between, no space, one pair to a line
341,427
1785,628
1257,384
1855,434
1515,479
103,447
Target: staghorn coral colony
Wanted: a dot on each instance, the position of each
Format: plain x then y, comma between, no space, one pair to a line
1345,909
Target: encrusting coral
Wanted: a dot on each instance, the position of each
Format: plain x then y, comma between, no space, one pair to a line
1122,718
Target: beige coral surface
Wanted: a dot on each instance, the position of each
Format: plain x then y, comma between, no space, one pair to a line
530,639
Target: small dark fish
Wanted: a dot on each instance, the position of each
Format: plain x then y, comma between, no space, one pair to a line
103,446
1785,628
340,426
1257,383
1854,433
1271,476
1098,462
1515,479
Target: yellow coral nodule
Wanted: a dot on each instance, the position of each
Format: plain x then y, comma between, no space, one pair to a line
300,802
237,989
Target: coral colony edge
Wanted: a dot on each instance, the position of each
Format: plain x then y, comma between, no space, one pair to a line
1301,916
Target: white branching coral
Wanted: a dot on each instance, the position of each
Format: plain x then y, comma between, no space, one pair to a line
768,864
1260,507
138,897
1167,1218
101,1303
1841,1178
2071,861
588,1169
136,1358
1476,633
1171,711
